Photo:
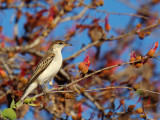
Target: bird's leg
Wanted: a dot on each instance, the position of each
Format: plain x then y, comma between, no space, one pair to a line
45,89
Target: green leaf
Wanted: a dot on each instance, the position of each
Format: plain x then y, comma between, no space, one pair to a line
18,103
33,99
27,100
9,113
12,104
32,104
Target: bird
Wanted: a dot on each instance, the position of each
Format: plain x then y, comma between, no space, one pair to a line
47,68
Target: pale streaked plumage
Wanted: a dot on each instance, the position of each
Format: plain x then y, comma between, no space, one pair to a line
47,68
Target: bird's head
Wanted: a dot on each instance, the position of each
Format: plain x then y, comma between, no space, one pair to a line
58,44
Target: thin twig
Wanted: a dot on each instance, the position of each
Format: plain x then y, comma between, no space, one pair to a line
110,39
93,73
106,68
5,65
156,58
75,17
115,13
34,43
100,89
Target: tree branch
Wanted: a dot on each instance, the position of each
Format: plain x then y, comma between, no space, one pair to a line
56,90
110,39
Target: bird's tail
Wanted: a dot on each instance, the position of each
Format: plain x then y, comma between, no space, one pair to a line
30,88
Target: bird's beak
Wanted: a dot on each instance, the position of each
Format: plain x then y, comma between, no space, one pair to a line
67,44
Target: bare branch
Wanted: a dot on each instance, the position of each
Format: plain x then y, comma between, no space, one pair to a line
110,39
93,73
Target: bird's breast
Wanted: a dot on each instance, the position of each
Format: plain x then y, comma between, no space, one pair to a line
51,70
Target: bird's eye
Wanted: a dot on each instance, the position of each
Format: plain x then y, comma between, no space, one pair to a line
60,43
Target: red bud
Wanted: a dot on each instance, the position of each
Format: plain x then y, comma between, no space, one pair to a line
151,53
81,66
85,70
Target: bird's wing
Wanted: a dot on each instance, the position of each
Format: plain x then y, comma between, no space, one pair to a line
42,65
